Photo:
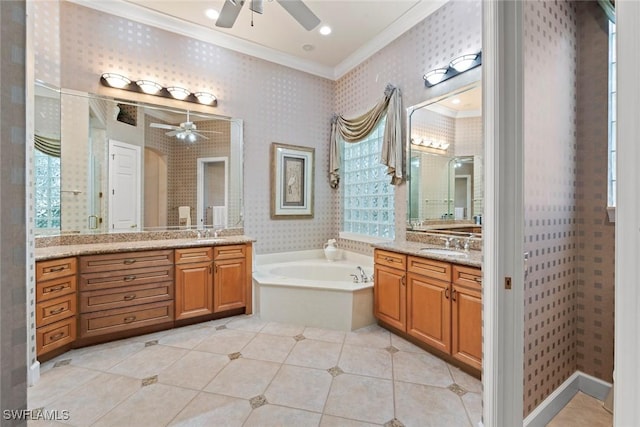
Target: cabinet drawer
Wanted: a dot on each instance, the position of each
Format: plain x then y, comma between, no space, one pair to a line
55,268
125,277
118,261
229,252
184,256
467,276
55,309
390,259
125,297
122,319
430,268
55,335
55,288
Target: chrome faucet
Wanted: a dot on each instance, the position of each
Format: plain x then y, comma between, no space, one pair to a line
363,276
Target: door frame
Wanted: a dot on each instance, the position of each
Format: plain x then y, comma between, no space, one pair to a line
200,186
138,149
467,182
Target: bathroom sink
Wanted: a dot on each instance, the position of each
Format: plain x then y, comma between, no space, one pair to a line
211,240
442,251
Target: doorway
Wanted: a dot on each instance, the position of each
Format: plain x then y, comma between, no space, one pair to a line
212,191
124,186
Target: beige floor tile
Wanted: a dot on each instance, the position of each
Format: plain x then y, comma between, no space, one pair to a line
465,380
314,354
370,336
188,338
271,348
57,382
301,388
86,404
284,329
153,405
373,362
424,406
104,357
473,404
328,335
225,341
148,361
243,378
404,345
147,337
331,421
278,416
250,324
195,370
582,410
361,398
421,369
213,410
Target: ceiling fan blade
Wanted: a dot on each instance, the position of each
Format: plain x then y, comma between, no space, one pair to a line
199,135
229,13
209,131
300,13
161,126
256,6
172,133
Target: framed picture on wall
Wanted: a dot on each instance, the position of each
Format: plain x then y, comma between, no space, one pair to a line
291,181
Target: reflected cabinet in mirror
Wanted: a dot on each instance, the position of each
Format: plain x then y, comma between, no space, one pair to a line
110,165
445,152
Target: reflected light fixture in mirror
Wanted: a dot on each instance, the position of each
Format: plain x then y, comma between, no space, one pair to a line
178,92
116,80
204,97
149,87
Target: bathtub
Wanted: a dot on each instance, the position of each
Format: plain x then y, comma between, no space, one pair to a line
304,288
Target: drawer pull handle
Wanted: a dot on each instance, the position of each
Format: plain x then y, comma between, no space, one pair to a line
403,280
129,261
453,295
129,297
56,269
56,311
129,319
55,289
56,336
388,259
446,293
129,278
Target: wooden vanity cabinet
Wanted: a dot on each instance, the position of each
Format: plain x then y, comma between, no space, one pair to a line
390,288
194,282
56,304
230,277
466,301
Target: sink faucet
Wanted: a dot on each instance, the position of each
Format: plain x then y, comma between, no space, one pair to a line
363,275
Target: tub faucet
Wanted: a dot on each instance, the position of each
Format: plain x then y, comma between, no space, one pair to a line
355,278
363,275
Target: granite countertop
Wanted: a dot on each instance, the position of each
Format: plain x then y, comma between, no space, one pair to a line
471,258
61,251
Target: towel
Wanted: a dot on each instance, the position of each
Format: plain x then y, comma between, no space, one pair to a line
184,216
459,213
219,214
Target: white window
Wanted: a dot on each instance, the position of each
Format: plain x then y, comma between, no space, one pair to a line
612,121
367,195
47,197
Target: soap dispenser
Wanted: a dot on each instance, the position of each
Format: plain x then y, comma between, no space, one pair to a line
330,250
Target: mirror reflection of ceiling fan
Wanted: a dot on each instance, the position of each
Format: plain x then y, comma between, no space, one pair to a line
296,8
186,131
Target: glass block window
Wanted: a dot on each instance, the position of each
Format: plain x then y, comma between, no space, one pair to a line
47,197
612,115
367,195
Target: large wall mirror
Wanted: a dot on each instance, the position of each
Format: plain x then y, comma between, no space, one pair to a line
445,152
111,165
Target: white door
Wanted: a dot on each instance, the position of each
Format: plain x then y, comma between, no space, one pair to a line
124,186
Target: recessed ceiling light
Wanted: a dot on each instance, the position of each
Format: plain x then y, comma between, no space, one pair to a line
325,30
307,47
212,14
455,101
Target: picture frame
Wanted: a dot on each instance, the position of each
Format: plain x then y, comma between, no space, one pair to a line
292,184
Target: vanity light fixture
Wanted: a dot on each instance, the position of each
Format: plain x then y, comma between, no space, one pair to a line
456,66
204,97
116,80
149,87
430,143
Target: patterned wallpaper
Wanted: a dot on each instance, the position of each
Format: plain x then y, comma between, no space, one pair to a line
13,232
550,57
596,235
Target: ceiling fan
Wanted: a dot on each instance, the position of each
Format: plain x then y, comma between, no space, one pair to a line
296,8
185,131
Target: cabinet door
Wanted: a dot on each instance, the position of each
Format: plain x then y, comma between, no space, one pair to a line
467,325
194,290
390,296
429,311
229,284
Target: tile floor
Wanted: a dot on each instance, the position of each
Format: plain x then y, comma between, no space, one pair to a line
582,410
243,371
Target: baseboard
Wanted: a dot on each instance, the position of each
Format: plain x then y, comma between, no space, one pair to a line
557,400
33,373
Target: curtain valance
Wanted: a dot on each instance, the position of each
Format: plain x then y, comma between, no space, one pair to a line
50,146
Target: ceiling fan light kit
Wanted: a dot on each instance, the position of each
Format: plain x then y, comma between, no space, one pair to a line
296,8
150,87
186,131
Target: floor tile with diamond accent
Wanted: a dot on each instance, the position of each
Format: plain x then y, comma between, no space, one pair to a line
298,387
56,382
284,329
443,409
371,336
104,357
195,370
465,380
271,348
473,404
361,398
213,410
314,354
373,362
225,341
272,415
320,334
243,378
332,421
249,324
187,339
422,368
148,362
